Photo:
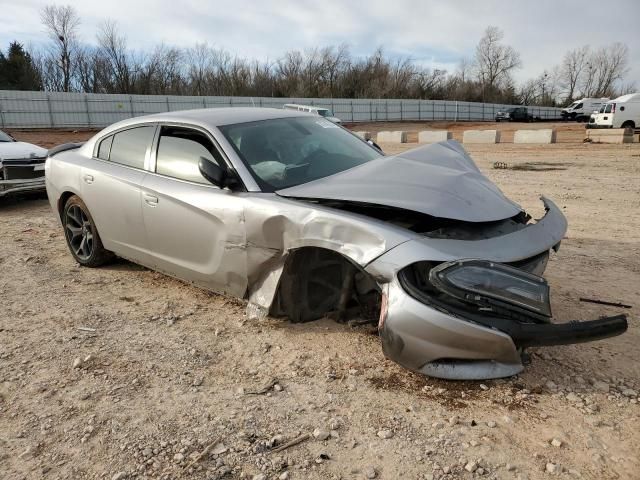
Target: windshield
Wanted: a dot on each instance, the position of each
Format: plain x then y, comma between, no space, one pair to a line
285,152
572,105
323,112
511,110
4,137
607,108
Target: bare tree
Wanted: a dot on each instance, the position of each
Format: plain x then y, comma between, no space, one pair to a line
120,67
289,69
112,67
572,70
429,84
334,63
161,74
465,66
494,61
61,24
199,64
92,70
402,74
610,64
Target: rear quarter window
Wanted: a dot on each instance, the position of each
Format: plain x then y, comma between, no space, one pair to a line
105,148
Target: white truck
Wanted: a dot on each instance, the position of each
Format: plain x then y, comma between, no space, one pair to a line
581,110
621,112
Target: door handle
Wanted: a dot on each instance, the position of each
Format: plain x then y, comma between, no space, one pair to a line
88,179
150,200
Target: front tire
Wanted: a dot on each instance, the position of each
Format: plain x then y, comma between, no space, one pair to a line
82,235
628,124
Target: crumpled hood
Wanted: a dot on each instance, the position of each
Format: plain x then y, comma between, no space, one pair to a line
440,180
20,150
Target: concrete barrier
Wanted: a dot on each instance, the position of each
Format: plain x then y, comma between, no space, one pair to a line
392,137
543,135
363,135
481,136
434,136
610,135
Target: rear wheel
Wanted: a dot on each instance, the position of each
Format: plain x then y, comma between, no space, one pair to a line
81,234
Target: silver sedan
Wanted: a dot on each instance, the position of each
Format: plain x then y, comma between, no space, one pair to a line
303,219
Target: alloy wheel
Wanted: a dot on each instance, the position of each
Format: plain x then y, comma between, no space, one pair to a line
79,232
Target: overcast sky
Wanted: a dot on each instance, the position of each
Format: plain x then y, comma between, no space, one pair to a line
435,34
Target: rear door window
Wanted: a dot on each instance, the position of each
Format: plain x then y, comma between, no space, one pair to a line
180,150
129,147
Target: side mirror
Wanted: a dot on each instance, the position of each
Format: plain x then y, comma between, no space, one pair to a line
212,172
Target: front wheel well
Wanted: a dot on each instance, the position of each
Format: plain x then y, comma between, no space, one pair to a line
317,282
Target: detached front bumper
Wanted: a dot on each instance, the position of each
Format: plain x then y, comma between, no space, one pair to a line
423,336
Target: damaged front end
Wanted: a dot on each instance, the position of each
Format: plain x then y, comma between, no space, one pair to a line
470,312
459,281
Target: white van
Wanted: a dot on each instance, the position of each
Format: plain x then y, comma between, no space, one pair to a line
323,112
581,110
622,112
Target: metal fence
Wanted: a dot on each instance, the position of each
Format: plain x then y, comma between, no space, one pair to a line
20,109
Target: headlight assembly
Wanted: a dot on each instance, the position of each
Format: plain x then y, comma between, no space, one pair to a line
488,284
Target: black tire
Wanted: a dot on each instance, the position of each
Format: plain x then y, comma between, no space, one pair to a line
312,284
81,234
628,124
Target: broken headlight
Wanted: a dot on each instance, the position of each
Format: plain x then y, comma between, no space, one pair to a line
489,284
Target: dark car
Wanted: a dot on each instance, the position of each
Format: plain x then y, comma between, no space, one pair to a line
516,114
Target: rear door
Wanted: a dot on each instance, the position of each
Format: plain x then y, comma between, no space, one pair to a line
196,230
111,183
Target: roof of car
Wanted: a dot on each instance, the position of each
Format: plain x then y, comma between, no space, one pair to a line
312,107
228,116
211,117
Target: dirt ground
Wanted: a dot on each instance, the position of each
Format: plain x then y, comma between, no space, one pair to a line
121,372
